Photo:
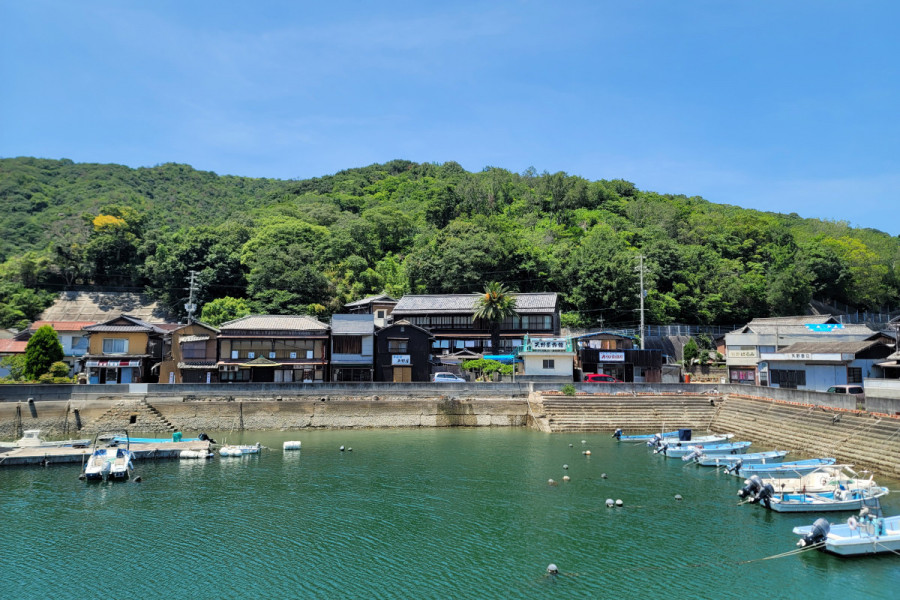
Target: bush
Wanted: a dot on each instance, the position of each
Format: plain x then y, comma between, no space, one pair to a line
568,389
59,369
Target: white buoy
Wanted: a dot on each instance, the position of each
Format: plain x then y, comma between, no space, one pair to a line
552,569
566,478
551,482
565,466
587,452
295,445
602,475
619,503
610,502
342,448
678,496
570,445
584,441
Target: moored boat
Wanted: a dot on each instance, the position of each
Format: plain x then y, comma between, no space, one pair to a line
838,500
790,469
730,448
737,461
658,443
31,438
861,536
645,437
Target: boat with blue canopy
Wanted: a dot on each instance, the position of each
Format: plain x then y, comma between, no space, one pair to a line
645,437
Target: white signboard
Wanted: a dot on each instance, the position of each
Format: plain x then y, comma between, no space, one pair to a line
553,344
742,352
400,359
611,357
208,377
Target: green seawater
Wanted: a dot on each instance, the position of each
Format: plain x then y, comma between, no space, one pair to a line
430,513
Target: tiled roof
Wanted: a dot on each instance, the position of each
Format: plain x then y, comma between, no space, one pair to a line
62,325
465,304
813,324
828,347
98,307
124,324
370,299
11,346
352,325
274,322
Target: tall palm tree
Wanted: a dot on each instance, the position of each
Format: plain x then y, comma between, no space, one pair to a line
494,305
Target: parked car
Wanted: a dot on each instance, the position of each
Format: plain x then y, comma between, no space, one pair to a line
447,378
600,378
852,389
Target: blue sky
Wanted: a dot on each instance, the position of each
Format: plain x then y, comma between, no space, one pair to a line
773,105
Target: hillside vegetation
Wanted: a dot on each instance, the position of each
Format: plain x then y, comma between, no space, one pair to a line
401,227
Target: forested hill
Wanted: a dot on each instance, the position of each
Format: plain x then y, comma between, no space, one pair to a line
312,245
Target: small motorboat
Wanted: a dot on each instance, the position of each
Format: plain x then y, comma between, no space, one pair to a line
825,479
737,461
240,450
657,442
838,500
98,465
694,450
31,438
121,466
646,437
791,469
861,536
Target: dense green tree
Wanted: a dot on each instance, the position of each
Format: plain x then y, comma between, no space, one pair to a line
42,350
224,309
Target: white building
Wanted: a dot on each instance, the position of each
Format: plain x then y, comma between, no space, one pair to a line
744,347
548,359
820,365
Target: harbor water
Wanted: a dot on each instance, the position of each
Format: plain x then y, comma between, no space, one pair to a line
425,513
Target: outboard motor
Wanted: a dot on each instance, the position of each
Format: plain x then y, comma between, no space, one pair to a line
692,455
205,438
765,495
751,488
617,434
736,467
655,441
817,534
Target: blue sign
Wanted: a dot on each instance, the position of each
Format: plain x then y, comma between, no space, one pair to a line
824,327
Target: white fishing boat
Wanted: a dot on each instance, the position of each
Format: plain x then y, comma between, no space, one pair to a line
825,479
657,443
240,450
645,437
861,536
109,459
31,438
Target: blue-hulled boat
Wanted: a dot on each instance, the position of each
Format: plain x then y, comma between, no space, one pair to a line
825,501
797,468
646,437
694,449
737,461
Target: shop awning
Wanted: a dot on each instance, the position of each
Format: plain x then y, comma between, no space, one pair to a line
113,364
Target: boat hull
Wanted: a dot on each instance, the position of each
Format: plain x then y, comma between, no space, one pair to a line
784,470
797,503
860,540
728,460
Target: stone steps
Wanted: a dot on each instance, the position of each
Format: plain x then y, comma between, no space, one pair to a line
132,414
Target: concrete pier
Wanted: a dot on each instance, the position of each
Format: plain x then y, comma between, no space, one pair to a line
68,454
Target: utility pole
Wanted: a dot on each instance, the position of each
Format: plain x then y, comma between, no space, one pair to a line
640,269
190,307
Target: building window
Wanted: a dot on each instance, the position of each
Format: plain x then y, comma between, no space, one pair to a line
347,344
549,363
854,374
193,350
379,314
398,346
115,346
788,378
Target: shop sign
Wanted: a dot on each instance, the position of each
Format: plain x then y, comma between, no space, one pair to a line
606,357
742,352
400,359
549,344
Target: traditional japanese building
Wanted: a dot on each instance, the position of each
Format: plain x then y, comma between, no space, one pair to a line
403,353
615,355
273,348
123,350
449,318
190,355
352,347
380,307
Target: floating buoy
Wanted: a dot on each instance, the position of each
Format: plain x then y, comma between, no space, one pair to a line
82,477
566,478
619,503
565,466
551,482
587,452
602,475
295,445
349,449
610,502
570,445
678,497
138,479
584,441
342,448
552,569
